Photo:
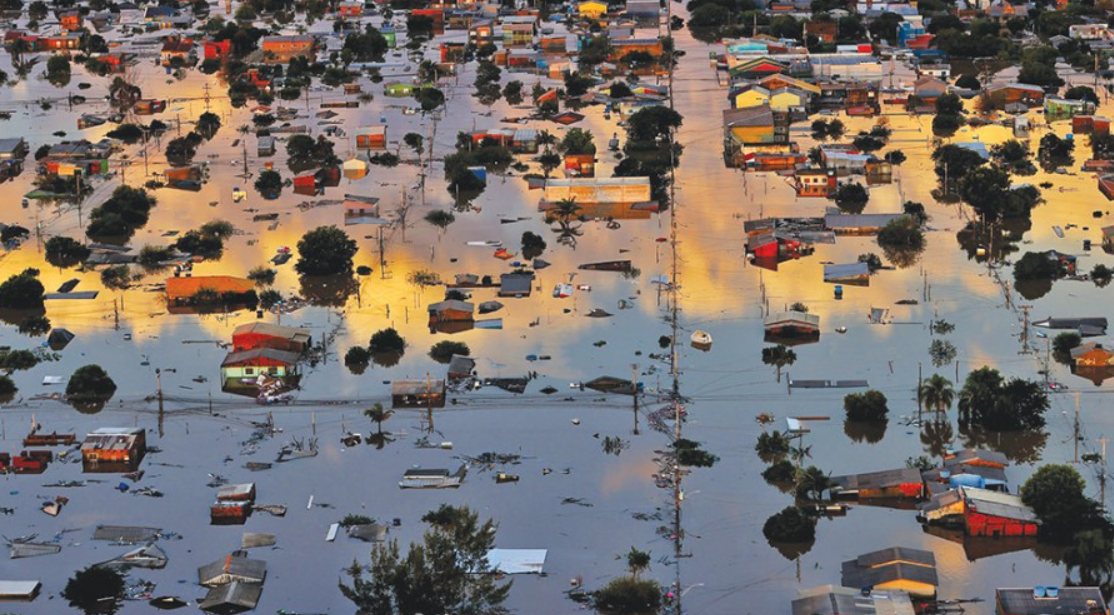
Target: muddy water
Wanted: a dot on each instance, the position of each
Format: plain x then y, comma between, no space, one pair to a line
728,567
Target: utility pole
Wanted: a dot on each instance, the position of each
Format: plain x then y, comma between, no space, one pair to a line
158,380
920,379
382,258
1102,476
634,393
1025,330
1075,430
429,401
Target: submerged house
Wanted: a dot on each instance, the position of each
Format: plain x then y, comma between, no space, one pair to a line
1050,601
899,483
832,600
896,568
232,598
995,514
255,335
24,591
372,137
235,567
451,316
516,284
113,449
246,366
1091,354
981,512
792,323
420,478
858,224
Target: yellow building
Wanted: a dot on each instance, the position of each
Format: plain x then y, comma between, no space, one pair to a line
787,99
753,97
592,9
752,126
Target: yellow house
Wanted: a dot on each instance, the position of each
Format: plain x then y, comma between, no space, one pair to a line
787,99
592,9
751,126
753,97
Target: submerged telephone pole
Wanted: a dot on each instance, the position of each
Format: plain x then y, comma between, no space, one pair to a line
1025,329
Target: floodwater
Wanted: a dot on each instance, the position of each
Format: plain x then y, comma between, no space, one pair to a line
727,566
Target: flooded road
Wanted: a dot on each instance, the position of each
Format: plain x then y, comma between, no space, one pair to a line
586,516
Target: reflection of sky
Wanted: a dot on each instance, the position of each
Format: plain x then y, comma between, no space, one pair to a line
721,293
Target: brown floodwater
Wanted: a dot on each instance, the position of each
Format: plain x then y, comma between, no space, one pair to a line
728,567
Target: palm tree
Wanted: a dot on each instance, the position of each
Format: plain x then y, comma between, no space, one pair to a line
567,209
378,414
637,561
936,437
937,394
19,47
546,138
779,356
812,482
567,233
771,446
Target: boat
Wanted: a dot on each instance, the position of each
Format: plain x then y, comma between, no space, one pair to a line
490,243
841,329
1059,231
701,340
503,477
622,266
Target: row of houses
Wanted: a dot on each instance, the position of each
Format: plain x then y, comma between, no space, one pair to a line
1039,600
967,491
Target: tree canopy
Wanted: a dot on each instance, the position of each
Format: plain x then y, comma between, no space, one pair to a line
22,291
447,572
326,250
988,400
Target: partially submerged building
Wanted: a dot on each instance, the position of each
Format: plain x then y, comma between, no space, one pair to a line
255,335
237,566
113,449
832,600
418,393
896,568
886,484
1045,600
